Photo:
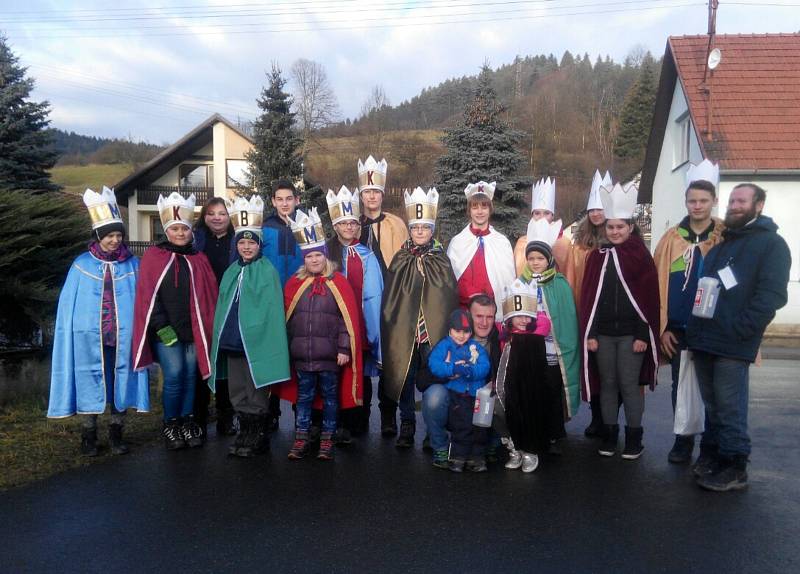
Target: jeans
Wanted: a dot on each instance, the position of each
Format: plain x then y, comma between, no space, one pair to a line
306,391
435,405
724,385
469,441
179,367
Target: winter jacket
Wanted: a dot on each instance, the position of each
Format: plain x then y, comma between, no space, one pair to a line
280,247
221,252
171,306
760,261
317,332
615,314
472,352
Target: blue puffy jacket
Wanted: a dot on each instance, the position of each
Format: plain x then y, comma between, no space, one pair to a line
280,247
760,261
475,356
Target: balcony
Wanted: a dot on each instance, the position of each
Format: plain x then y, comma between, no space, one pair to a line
149,195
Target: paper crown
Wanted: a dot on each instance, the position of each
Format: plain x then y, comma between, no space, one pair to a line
308,230
543,231
544,195
705,171
619,202
519,298
422,207
176,210
103,208
480,188
371,174
594,193
248,214
343,205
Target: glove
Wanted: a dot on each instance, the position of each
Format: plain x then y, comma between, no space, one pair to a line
463,370
167,335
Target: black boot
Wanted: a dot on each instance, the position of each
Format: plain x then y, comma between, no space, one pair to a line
595,428
89,442
609,446
241,435
406,437
118,445
225,425
633,443
388,422
193,433
729,474
681,452
256,440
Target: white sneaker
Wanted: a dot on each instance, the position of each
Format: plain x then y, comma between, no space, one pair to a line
530,462
514,460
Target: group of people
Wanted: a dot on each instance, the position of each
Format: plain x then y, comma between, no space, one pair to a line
259,310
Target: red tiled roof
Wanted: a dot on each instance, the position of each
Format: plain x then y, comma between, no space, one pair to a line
755,98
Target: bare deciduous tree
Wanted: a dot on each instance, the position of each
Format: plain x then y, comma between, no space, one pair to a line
374,113
314,99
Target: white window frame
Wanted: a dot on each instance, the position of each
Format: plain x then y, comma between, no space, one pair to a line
682,141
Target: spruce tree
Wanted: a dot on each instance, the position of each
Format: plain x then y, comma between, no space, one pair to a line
637,113
481,147
26,151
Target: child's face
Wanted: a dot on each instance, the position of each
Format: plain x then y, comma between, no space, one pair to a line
537,262
460,337
520,322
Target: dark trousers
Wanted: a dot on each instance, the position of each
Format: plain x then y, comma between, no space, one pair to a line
675,364
466,440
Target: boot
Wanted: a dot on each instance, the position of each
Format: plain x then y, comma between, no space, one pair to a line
300,446
706,463
342,437
595,428
388,423
633,443
192,432
118,446
609,446
681,452
225,426
173,437
406,437
325,446
730,474
257,438
89,442
241,436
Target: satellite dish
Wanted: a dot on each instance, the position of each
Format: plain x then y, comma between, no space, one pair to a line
714,58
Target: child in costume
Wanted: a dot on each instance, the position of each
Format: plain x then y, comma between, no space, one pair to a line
92,344
173,318
464,363
250,331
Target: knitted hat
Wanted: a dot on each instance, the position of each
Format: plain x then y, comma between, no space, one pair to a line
247,234
460,320
542,248
104,230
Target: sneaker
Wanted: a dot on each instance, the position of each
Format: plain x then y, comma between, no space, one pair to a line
118,445
514,460
440,459
406,437
325,446
300,446
706,463
633,443
342,436
730,474
173,437
681,452
192,432
530,462
89,442
456,465
609,446
476,465
388,424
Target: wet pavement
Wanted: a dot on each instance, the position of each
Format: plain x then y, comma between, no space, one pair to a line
380,510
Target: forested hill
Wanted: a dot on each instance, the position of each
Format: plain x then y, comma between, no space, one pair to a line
77,149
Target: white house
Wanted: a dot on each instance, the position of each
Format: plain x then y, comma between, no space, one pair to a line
742,112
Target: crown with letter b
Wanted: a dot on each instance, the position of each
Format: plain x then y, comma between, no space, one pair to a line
520,299
343,205
421,207
103,208
248,214
372,175
176,210
308,230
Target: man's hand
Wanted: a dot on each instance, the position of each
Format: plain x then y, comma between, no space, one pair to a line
669,343
342,359
591,345
639,346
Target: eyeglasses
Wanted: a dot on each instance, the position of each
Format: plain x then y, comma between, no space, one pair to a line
349,223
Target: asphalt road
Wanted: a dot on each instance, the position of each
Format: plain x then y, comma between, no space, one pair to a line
379,510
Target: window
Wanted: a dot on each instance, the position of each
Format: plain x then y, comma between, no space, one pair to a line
238,173
194,175
157,234
683,131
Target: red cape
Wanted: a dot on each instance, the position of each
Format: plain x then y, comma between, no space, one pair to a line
639,277
155,263
350,376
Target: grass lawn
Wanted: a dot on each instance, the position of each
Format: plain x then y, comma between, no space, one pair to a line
76,178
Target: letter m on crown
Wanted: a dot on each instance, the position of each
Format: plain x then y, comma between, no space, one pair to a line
347,207
310,234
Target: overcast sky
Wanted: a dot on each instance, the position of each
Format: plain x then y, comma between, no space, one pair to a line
152,70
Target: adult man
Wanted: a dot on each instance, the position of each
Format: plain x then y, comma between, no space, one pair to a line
543,205
482,258
435,399
752,265
679,257
384,233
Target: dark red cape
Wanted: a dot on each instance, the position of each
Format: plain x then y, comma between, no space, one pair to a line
638,274
351,375
202,302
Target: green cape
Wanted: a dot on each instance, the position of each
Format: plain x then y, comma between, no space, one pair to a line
261,321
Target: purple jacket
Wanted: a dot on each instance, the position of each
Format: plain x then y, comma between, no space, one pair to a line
317,332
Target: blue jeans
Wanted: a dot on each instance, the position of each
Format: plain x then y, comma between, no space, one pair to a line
435,405
179,367
306,391
724,385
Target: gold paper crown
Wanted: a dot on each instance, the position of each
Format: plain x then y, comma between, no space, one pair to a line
248,215
307,229
520,299
102,207
343,205
371,174
176,210
422,207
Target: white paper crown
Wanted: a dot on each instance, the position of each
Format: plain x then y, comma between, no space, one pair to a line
343,205
594,194
371,174
103,208
307,229
619,202
544,231
705,170
544,195
519,298
248,214
176,209
421,207
480,188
